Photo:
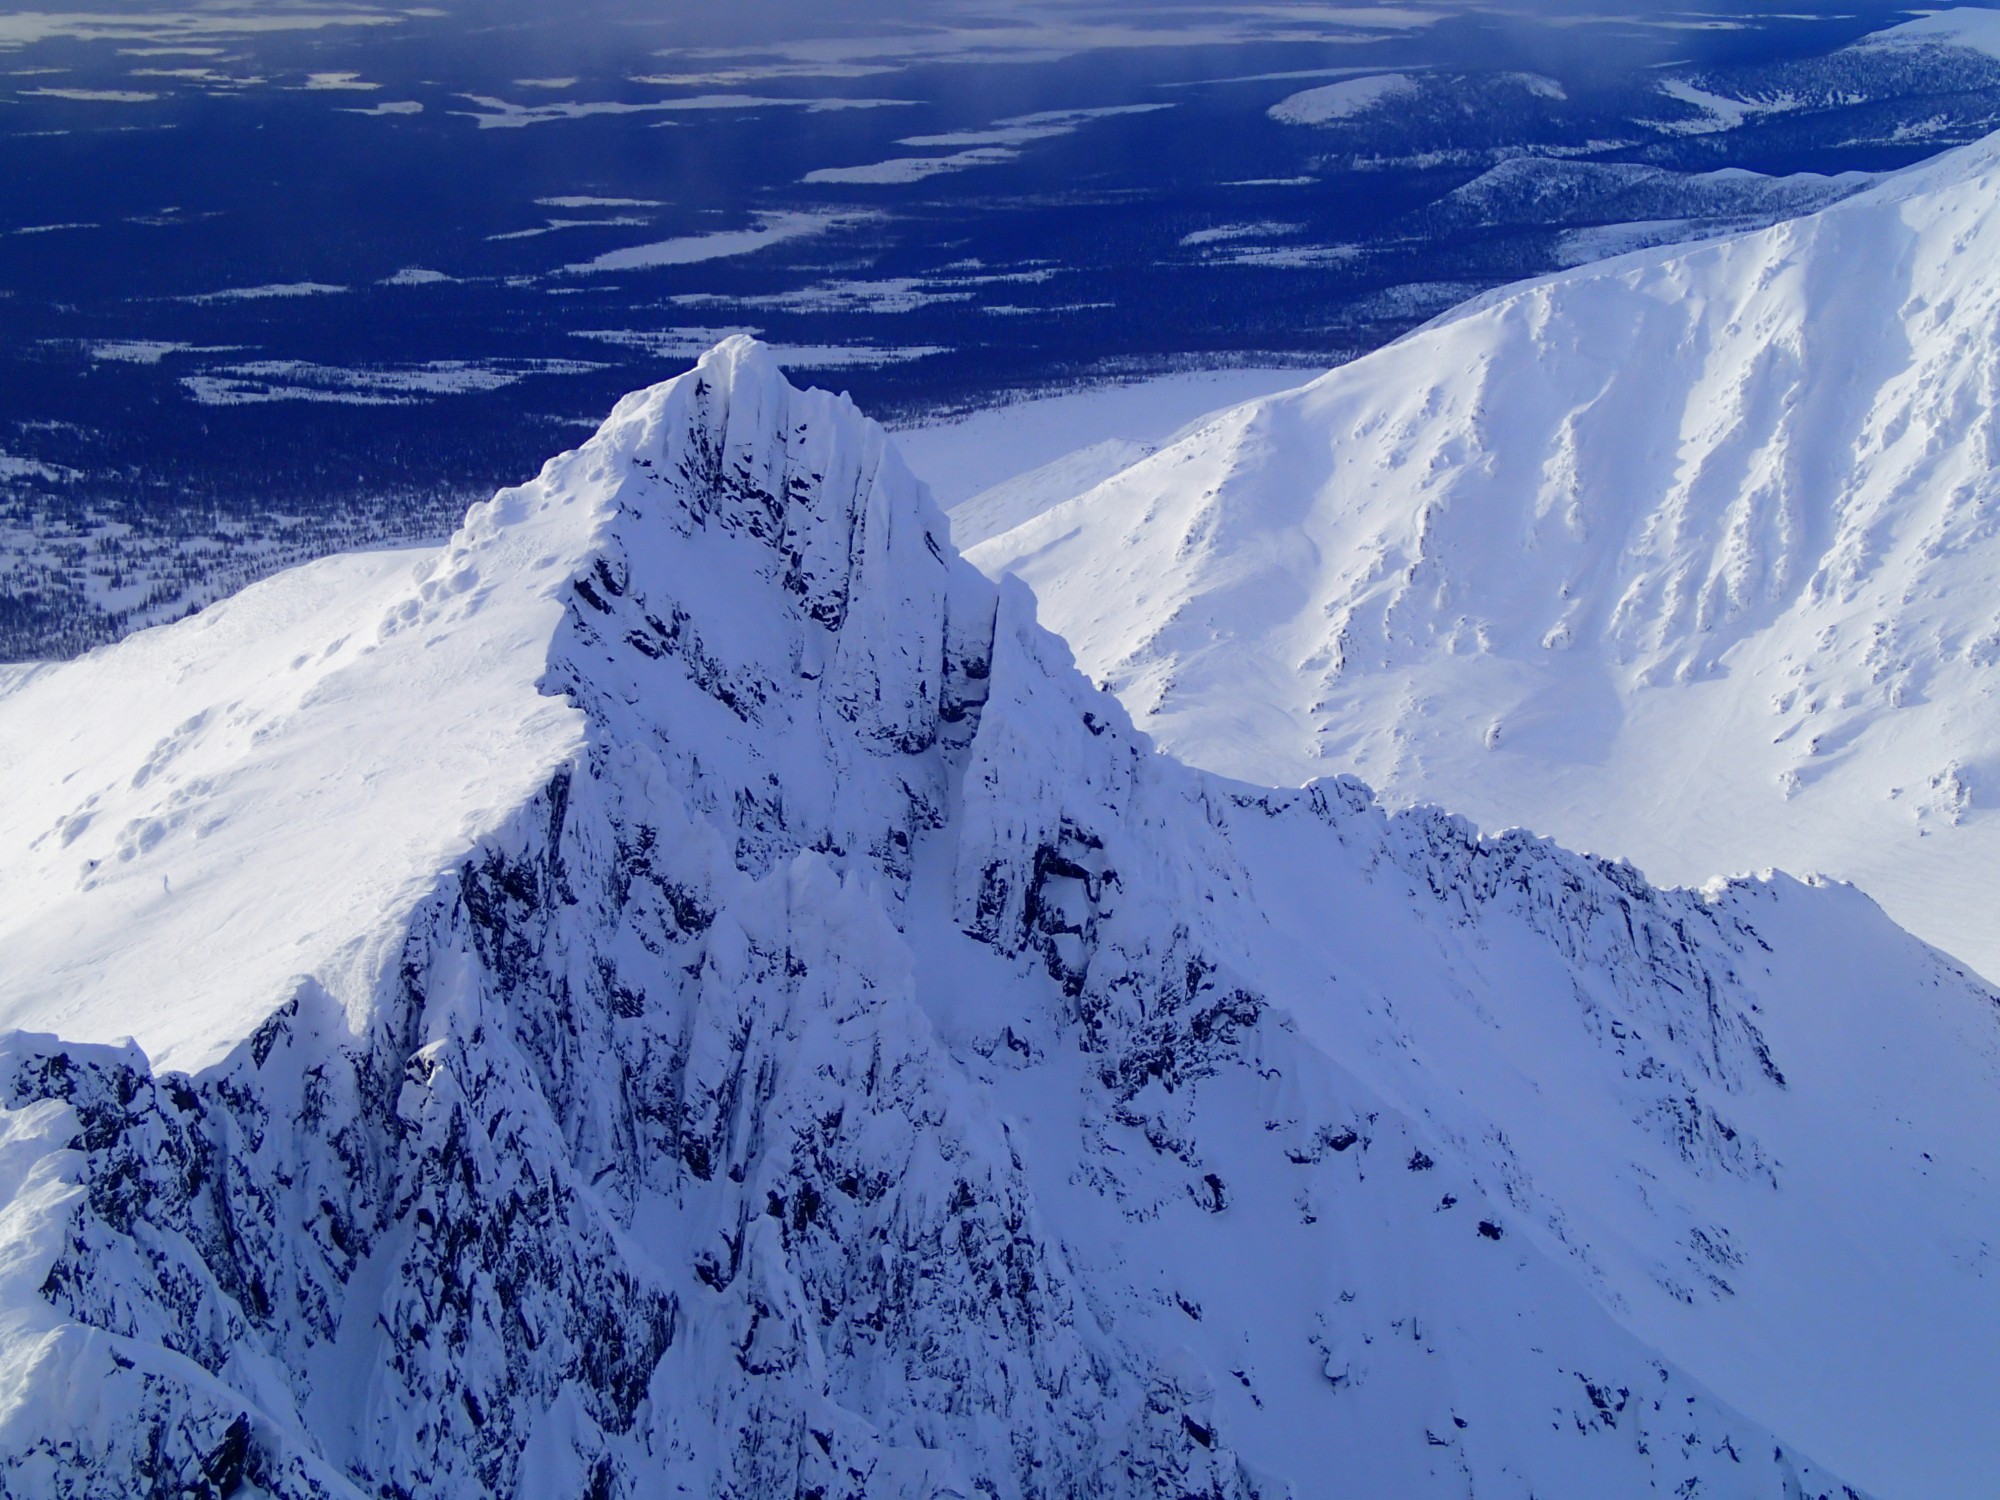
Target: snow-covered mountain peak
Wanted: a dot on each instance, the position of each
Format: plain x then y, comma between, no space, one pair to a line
285,773
729,446
1715,516
688,990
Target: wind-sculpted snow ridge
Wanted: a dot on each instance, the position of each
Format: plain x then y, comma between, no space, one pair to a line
833,1055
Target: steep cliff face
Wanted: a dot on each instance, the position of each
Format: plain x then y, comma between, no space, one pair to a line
859,1066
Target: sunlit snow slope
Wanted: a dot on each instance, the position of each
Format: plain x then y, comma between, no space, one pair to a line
1691,557
686,991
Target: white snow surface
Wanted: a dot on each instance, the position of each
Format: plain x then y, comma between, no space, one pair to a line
1976,29
770,229
1000,143
156,883
1687,557
961,457
1342,100
687,990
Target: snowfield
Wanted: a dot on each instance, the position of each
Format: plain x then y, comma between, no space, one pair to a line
1689,557
686,990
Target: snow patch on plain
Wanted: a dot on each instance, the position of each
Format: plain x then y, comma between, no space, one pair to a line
586,200
1042,37
769,229
1217,234
339,83
12,467
994,146
1343,100
263,293
91,96
259,382
149,351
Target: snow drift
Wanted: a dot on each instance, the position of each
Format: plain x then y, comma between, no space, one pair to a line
687,991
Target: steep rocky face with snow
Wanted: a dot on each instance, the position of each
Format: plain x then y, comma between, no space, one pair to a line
687,991
1689,557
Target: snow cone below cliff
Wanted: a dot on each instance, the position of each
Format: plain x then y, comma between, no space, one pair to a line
687,991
